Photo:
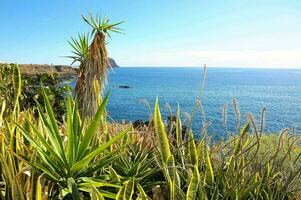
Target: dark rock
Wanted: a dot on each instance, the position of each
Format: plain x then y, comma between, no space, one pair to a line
112,62
171,126
138,124
58,68
124,86
172,118
149,123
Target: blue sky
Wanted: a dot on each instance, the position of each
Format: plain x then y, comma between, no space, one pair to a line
220,33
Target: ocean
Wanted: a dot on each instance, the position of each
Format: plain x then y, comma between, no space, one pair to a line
277,90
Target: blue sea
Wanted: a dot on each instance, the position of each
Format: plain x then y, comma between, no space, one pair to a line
277,90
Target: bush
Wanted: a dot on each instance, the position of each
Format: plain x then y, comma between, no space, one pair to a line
31,89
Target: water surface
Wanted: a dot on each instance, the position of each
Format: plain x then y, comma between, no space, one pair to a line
277,90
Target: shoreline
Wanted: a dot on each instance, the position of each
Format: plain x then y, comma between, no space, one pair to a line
62,71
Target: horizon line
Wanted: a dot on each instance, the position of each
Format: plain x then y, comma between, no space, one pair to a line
167,66
230,67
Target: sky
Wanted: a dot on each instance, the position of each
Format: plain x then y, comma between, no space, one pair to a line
220,33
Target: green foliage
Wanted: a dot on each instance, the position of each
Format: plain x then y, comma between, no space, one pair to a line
69,164
10,85
80,48
164,148
31,90
42,157
234,169
102,25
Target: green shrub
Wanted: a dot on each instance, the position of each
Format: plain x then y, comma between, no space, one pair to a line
31,89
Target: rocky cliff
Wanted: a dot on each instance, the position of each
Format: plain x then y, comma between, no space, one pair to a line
113,63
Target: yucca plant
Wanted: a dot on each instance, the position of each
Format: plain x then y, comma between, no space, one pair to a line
94,62
80,46
69,158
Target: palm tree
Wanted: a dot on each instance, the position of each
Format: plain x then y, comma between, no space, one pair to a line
94,62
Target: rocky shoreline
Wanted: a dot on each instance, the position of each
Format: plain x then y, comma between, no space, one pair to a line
63,72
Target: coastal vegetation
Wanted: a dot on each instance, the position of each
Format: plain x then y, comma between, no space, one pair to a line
63,147
28,88
44,157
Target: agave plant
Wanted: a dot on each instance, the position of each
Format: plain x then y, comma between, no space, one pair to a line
138,168
94,62
70,165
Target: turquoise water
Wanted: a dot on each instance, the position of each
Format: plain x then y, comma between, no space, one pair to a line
277,90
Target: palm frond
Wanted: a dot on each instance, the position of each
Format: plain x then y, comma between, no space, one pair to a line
102,25
80,46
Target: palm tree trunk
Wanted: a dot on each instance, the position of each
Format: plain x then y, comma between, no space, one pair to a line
94,69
